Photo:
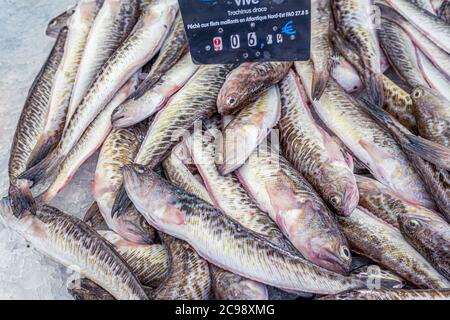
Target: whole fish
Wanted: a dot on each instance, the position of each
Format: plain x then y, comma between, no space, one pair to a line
431,26
145,41
59,22
345,74
300,213
226,191
30,126
224,242
249,129
137,109
379,241
432,112
71,242
313,151
367,140
85,290
79,24
321,17
434,77
189,277
118,150
439,57
430,235
391,294
150,263
112,26
401,53
173,49
444,12
91,140
354,21
247,82
225,285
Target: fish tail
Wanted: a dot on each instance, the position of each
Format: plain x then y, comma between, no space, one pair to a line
375,89
319,83
43,169
43,147
21,200
121,203
435,153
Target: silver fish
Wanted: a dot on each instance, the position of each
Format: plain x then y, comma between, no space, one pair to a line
391,294
345,74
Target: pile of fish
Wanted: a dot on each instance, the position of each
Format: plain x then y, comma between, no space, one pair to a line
227,182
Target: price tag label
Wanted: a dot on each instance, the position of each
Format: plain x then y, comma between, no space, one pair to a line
235,31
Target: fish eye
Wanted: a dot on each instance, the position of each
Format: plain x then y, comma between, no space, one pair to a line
418,93
344,252
335,201
412,224
232,101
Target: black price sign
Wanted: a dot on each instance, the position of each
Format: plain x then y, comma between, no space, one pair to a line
234,31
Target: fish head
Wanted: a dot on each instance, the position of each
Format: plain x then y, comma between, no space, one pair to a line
248,290
155,198
58,23
230,97
426,100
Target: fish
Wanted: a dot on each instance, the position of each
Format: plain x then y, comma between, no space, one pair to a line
150,263
391,294
401,53
425,4
313,152
91,140
434,77
137,109
345,74
377,277
396,100
420,151
224,242
119,149
225,285
189,277
85,290
367,140
30,126
432,112
144,42
355,23
248,129
113,24
174,48
228,286
247,82
74,244
431,26
321,18
298,210
79,25
226,191
444,12
430,235
382,243
59,22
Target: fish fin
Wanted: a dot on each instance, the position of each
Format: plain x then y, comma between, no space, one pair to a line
121,203
21,200
94,216
43,169
428,150
43,147
389,13
319,83
375,89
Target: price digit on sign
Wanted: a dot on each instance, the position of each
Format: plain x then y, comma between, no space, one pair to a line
252,39
235,41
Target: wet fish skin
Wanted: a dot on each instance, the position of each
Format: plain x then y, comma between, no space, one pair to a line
432,112
353,20
189,277
135,51
430,235
248,129
118,150
84,289
433,27
31,125
113,24
345,74
91,140
79,24
391,294
139,108
379,241
436,80
224,242
173,49
150,263
367,140
298,210
444,11
376,277
71,242
247,82
56,24
424,4
313,151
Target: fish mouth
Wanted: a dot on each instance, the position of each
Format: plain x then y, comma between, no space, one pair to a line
351,200
338,260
